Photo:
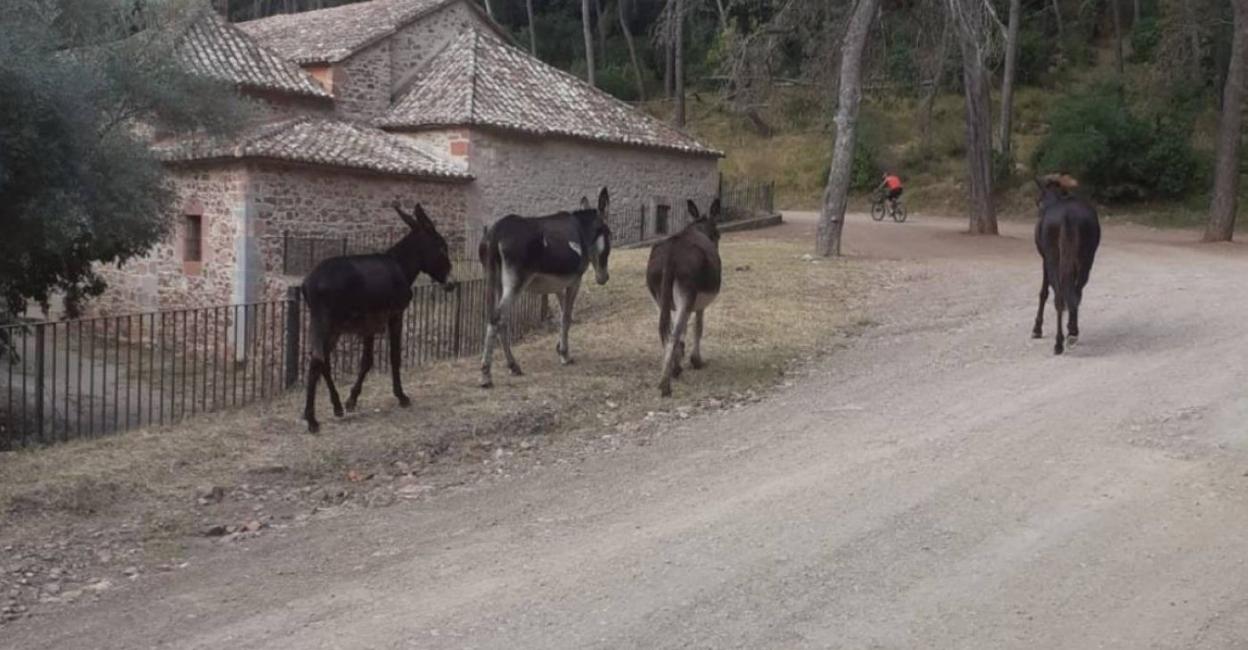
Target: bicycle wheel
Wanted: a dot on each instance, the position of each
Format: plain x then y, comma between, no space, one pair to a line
877,210
899,213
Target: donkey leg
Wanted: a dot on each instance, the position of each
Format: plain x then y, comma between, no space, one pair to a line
1073,321
567,298
328,374
1038,330
675,346
509,298
394,329
366,364
1060,303
695,359
494,331
309,406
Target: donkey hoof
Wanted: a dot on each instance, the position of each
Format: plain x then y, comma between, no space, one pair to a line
697,363
677,371
1058,349
665,389
314,426
404,401
515,370
486,382
349,406
1037,334
567,361
338,412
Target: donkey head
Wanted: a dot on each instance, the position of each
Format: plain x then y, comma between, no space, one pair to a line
707,224
599,235
424,247
1053,188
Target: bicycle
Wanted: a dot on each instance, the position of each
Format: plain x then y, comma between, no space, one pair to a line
880,206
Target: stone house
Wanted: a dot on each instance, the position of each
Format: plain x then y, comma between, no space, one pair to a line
365,104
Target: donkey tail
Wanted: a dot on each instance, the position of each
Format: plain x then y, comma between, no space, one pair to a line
666,301
1068,261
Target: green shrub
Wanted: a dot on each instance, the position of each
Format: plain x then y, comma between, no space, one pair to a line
619,81
1121,156
1036,54
1144,40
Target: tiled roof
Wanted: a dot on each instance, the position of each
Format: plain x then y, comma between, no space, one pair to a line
331,35
215,49
479,80
317,141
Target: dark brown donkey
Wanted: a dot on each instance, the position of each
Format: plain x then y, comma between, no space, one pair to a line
1067,236
363,295
684,275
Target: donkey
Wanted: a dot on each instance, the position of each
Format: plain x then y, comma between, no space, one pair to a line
541,255
1067,236
684,275
363,295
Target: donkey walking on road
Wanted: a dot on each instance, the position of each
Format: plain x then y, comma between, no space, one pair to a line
363,295
1067,236
684,275
541,255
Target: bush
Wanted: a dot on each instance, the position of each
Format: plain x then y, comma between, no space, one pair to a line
1098,139
1144,40
618,80
1036,54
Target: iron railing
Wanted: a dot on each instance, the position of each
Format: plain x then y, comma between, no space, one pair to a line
90,377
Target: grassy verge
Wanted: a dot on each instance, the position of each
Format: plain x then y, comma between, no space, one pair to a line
753,333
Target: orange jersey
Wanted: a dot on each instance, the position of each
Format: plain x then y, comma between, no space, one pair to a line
892,182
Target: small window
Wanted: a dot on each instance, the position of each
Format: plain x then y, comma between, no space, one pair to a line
193,238
661,213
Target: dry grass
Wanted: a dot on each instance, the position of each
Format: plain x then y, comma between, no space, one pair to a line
775,309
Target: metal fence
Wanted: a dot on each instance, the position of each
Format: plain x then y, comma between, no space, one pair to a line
89,377
741,199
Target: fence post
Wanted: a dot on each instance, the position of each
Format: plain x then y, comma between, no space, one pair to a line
39,369
459,318
771,197
290,347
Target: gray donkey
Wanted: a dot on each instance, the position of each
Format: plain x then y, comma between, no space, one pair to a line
684,275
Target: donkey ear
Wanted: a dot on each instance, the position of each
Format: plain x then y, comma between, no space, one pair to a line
407,219
584,202
715,211
693,210
604,200
422,218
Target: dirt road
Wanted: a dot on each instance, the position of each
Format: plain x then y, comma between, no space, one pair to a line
945,482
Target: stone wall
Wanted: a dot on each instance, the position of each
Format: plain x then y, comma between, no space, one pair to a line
531,176
312,202
362,82
414,43
161,280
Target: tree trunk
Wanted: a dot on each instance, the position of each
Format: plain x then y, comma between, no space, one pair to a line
669,69
836,193
528,7
489,9
933,88
1061,34
1221,225
723,16
679,63
600,23
1193,34
1135,13
972,32
1007,81
589,42
1113,7
632,51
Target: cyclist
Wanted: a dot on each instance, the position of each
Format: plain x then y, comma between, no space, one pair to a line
893,183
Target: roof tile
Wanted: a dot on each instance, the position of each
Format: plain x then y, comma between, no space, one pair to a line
318,141
478,79
331,35
217,50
